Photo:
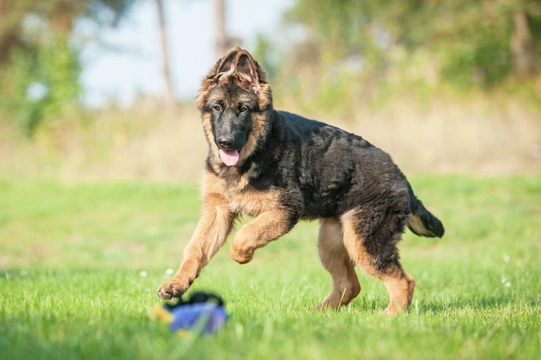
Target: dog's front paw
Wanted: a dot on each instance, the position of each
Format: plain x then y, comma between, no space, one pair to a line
240,254
173,289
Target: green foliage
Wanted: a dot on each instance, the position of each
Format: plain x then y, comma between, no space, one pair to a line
263,54
481,61
39,86
39,63
465,45
336,25
80,265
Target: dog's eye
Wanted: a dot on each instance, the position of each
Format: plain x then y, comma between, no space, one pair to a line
243,108
217,108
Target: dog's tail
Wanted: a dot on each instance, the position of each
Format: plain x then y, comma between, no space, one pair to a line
421,222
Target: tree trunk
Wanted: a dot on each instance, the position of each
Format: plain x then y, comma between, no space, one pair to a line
522,46
169,90
220,32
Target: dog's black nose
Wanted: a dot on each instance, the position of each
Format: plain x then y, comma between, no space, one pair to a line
225,142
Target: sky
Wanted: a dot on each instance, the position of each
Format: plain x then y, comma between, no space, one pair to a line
130,62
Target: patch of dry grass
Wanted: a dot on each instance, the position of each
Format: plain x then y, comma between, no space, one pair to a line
481,135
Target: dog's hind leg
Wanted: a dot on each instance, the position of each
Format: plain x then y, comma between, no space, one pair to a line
378,257
334,257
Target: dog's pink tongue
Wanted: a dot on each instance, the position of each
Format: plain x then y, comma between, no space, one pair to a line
229,158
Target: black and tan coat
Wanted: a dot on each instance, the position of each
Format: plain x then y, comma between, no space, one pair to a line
281,168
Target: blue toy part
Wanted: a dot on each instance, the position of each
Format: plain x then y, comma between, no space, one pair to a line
203,318
202,313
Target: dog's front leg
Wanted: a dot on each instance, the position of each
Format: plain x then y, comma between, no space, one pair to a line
210,234
266,227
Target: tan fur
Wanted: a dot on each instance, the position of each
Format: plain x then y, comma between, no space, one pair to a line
334,257
207,128
240,197
400,286
221,204
415,222
266,227
222,201
270,219
398,283
209,236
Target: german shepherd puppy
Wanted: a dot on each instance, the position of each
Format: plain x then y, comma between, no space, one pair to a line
281,168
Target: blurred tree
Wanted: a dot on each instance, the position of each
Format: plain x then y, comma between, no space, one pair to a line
39,66
523,46
464,43
166,66
223,41
220,30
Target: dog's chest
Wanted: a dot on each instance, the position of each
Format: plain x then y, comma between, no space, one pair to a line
245,199
251,202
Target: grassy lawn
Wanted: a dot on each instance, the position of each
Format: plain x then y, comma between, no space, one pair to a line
80,265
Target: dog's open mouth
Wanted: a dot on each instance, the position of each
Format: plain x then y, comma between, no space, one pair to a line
229,157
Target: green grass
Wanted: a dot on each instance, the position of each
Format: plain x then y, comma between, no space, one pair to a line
73,260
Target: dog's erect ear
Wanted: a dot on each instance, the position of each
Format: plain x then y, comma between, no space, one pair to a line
226,65
246,67
237,64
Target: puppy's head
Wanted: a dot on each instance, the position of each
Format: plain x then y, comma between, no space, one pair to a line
233,100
